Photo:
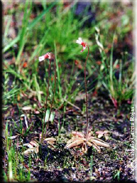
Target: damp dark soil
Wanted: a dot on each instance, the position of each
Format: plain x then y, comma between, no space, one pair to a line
59,164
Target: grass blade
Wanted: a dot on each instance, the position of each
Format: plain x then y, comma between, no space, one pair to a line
23,31
58,73
30,26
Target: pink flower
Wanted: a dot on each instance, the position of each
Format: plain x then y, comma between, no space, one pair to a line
48,55
82,43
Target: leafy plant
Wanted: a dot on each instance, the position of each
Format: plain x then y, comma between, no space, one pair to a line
80,140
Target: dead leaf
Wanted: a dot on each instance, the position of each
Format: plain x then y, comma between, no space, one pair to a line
50,140
103,133
96,147
25,120
30,150
13,137
75,143
79,134
26,108
100,142
33,147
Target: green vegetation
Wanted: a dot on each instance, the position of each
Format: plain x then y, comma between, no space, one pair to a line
31,84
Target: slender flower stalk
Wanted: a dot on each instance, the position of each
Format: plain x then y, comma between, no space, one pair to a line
55,77
84,45
47,89
50,57
86,94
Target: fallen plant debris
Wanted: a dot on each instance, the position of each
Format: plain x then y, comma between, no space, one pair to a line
49,140
80,140
103,133
33,146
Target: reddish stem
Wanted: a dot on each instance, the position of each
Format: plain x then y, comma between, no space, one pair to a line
86,94
48,84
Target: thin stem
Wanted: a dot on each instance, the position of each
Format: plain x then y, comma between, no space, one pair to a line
47,95
55,77
48,84
86,94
